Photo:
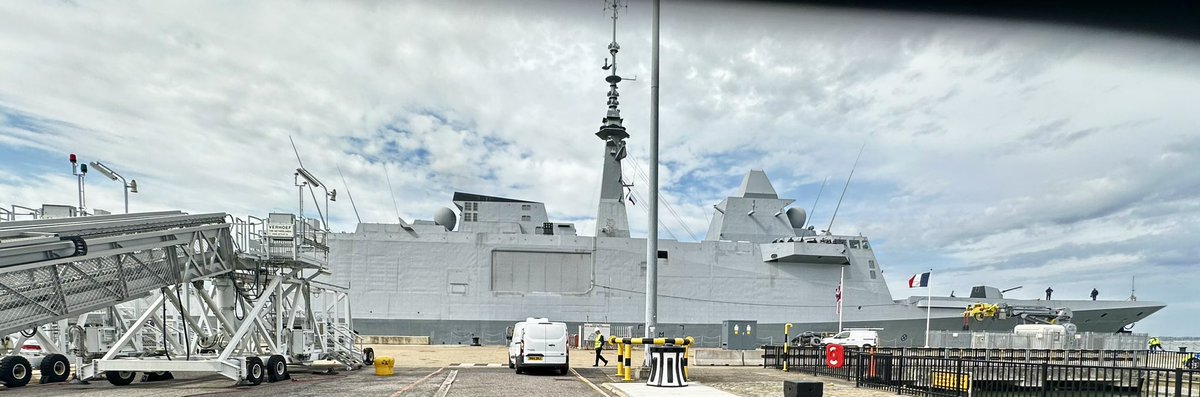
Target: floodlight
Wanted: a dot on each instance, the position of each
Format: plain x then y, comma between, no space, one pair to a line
103,169
133,186
312,180
333,195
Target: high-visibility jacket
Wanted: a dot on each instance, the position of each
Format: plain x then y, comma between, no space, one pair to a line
599,341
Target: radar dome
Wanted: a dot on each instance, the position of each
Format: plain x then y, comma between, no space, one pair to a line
797,216
445,217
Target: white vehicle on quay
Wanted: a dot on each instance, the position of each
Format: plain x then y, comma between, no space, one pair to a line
854,337
538,343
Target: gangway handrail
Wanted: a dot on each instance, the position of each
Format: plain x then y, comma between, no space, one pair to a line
118,226
82,220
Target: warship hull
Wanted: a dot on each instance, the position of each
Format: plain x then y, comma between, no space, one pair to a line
452,286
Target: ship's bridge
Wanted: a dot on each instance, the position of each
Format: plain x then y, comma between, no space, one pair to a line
812,249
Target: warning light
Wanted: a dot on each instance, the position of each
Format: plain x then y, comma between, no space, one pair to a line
72,158
83,168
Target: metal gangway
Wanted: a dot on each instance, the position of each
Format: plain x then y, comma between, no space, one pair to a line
229,296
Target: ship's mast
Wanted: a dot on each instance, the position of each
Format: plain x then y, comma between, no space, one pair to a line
611,217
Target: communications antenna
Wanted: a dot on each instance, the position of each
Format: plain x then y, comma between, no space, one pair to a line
347,187
812,214
847,186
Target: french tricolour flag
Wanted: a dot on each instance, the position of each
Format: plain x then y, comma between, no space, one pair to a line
919,280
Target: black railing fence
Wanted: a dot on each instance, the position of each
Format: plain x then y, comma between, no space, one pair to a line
993,372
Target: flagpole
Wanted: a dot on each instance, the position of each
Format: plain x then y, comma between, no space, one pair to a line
928,304
841,296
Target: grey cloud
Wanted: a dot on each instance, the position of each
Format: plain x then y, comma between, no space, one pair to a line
506,101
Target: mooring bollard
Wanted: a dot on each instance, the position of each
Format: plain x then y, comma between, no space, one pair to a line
666,367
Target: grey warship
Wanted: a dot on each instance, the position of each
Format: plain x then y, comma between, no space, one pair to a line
473,271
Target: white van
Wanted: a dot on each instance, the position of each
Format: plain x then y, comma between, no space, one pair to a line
854,337
538,342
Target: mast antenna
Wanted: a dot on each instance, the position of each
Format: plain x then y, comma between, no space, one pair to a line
1133,288
392,192
847,186
347,187
296,151
814,207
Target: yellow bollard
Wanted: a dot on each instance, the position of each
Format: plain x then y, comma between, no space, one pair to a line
620,359
787,329
688,343
383,366
685,361
628,362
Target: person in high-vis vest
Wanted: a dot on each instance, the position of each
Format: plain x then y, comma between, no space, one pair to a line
599,342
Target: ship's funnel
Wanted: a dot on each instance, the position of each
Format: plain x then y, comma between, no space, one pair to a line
797,216
445,217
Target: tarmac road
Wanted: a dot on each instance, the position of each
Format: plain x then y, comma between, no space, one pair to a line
430,382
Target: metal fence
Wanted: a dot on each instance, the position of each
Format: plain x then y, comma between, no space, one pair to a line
990,372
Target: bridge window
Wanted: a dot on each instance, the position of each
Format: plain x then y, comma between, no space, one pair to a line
525,218
872,274
526,207
854,244
871,265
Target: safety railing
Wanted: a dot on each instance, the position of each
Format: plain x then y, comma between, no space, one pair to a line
927,372
625,352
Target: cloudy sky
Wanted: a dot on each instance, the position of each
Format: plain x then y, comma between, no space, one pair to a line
999,152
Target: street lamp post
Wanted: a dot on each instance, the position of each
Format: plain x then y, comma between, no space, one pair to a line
130,186
312,181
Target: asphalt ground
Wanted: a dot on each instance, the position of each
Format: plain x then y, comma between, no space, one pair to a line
432,382
444,371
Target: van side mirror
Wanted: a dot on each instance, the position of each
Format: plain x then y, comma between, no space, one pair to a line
508,333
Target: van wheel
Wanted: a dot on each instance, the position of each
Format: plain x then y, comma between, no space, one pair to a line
368,356
510,363
563,370
517,366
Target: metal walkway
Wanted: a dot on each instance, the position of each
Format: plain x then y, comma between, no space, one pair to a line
53,269
233,297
